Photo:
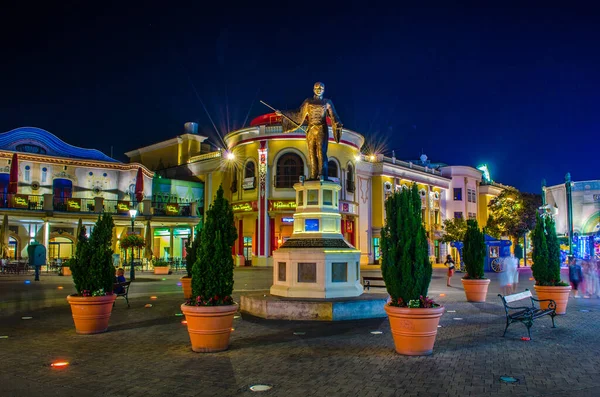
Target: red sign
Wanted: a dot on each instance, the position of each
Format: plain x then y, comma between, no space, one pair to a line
349,226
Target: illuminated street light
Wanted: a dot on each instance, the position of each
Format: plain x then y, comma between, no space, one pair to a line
230,156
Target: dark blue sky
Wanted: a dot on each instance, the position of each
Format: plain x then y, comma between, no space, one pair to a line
516,88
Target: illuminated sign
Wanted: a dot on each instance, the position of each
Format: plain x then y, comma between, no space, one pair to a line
248,183
282,205
596,197
123,207
20,201
73,205
172,209
287,220
349,226
311,225
246,206
486,173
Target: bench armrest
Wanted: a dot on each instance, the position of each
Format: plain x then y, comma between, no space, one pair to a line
551,305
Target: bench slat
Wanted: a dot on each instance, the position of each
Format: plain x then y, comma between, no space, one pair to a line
517,297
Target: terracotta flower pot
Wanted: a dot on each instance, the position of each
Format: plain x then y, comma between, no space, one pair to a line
560,295
209,326
66,271
186,283
414,330
476,290
91,313
161,270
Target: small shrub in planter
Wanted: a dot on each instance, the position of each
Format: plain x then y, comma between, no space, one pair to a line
474,282
93,275
546,265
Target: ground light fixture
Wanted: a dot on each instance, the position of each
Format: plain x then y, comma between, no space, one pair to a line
508,379
259,388
59,364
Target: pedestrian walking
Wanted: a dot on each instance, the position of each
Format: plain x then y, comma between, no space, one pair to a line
450,264
575,276
511,265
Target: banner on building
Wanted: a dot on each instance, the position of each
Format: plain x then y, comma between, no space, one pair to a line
73,204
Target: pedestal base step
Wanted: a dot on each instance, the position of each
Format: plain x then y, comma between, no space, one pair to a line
304,309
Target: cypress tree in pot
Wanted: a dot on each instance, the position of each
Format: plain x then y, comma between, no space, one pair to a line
211,308
406,270
474,282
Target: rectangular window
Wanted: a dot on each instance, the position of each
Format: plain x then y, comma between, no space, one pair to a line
301,198
307,272
472,215
458,194
281,271
458,215
339,272
312,197
471,195
311,225
327,197
376,249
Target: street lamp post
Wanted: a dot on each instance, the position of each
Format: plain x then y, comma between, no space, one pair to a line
132,213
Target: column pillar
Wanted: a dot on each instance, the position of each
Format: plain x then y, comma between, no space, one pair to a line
569,211
263,235
171,239
47,239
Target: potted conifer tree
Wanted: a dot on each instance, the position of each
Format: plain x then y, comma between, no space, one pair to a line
406,270
474,282
190,259
546,265
209,313
93,275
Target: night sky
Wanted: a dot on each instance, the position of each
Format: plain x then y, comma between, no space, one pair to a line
518,89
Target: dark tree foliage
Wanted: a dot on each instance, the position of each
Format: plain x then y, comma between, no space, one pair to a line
474,250
546,253
92,267
454,230
212,273
405,265
539,254
192,248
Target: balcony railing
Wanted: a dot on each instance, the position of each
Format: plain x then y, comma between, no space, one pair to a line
22,201
49,203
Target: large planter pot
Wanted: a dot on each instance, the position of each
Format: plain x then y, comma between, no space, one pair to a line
476,290
66,271
560,295
414,330
209,326
161,270
186,283
91,313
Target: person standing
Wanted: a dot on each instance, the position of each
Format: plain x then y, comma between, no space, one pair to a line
450,264
512,273
575,275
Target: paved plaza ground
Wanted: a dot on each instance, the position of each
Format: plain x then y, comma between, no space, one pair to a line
147,352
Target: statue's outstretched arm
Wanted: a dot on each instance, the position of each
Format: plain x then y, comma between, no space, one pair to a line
297,116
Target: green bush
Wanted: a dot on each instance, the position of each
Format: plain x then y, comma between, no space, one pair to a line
474,251
92,267
161,263
212,273
192,252
546,253
405,265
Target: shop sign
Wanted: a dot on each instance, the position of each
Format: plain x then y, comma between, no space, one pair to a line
73,205
349,226
181,231
172,209
282,205
20,201
347,208
123,207
287,219
246,206
248,183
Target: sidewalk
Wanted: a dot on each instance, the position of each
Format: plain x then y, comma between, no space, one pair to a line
146,352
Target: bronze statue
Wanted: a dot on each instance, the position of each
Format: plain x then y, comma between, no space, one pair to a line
317,109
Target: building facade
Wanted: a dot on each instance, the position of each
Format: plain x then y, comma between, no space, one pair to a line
260,165
60,185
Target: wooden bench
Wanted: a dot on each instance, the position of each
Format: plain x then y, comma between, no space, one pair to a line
368,279
124,293
526,314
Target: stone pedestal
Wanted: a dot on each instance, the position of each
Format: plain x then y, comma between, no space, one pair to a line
316,261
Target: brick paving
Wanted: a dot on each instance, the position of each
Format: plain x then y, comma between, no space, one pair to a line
147,352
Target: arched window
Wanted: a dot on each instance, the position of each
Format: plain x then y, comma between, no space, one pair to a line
332,169
350,179
289,169
250,170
